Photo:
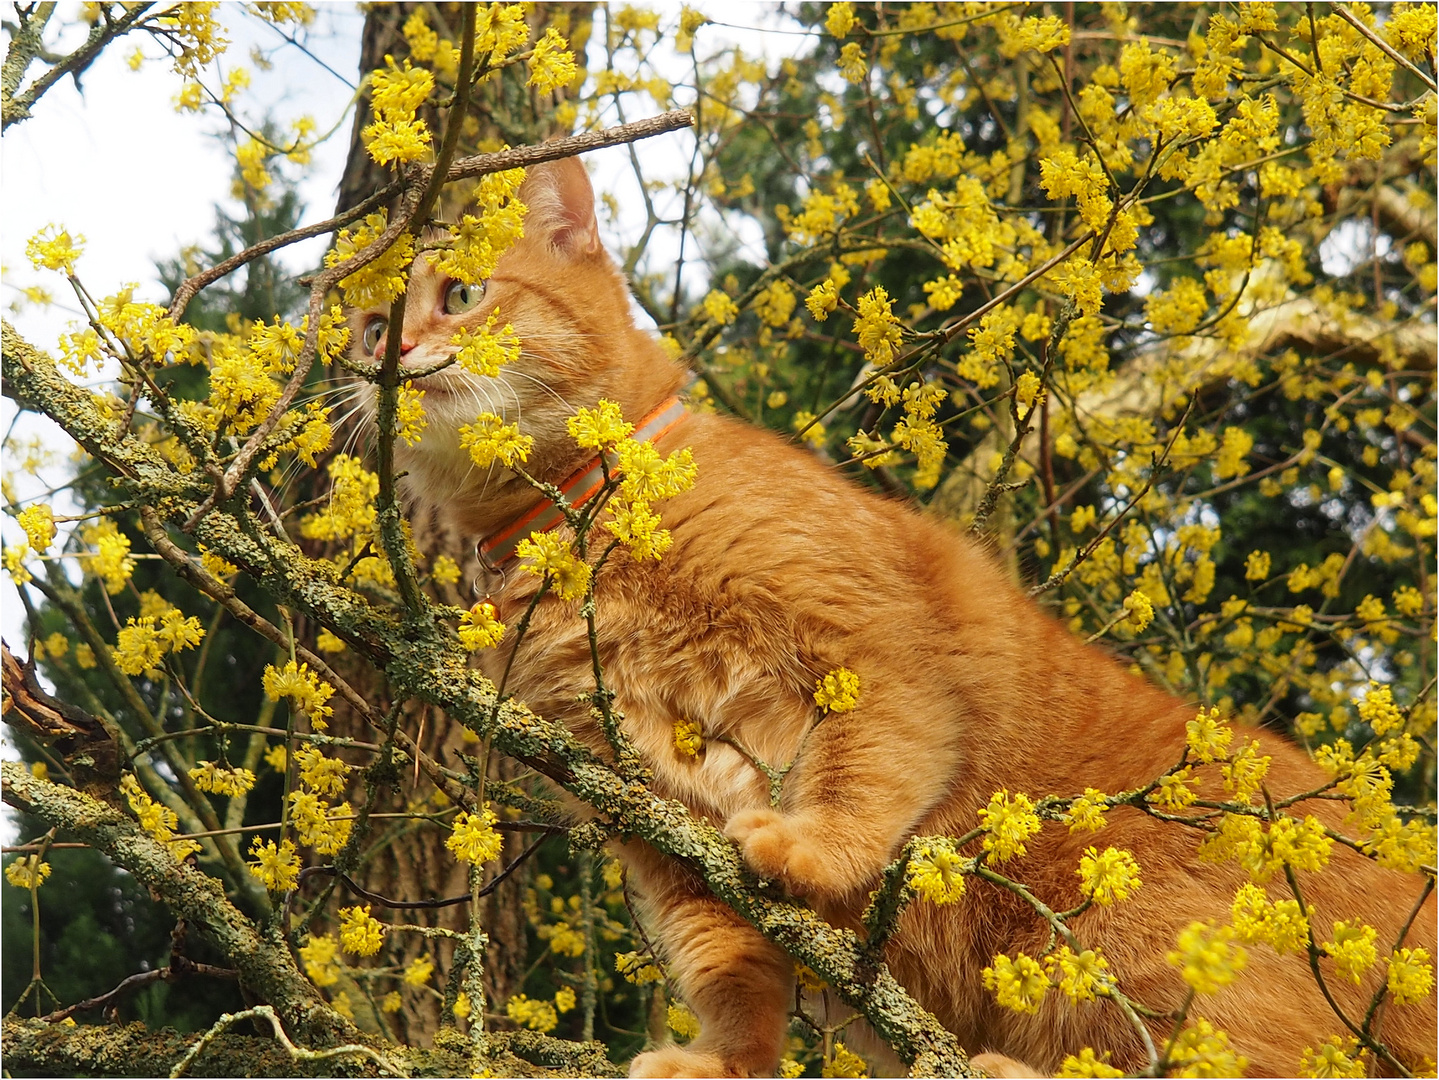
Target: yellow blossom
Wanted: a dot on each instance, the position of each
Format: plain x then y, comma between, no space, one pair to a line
360,932
1206,958
39,525
321,774
822,300
1208,738
546,555
383,279
935,873
480,628
112,560
1336,1057
852,63
1411,976
1026,390
1079,975
1245,771
839,19
27,872
473,838
1256,566
1202,1050
1233,450
646,477
1378,710
638,969
410,420
535,1015
320,956
838,691
1009,824
682,1021
278,867
1018,984
303,687
1108,875
490,439
52,248
564,999
844,1062
1139,610
484,350
1280,923
689,737
444,571
719,307
1087,811
552,65
419,971
876,327
222,781
1088,1064
600,427
1174,791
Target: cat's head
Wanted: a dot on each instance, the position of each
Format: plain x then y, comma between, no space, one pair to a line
569,306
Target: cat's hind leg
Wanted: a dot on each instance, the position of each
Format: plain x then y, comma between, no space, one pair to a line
739,984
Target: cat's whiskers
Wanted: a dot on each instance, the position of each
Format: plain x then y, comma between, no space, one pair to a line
546,387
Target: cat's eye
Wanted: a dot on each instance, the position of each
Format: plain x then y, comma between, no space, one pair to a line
374,330
460,298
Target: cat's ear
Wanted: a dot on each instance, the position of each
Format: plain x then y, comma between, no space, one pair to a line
561,207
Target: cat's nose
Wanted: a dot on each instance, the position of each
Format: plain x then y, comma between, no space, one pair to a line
406,346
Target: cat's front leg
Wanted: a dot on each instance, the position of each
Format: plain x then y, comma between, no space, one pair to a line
739,984
857,791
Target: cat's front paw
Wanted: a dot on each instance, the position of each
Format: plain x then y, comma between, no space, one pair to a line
775,849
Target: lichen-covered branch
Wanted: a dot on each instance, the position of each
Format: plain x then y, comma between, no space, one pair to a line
262,957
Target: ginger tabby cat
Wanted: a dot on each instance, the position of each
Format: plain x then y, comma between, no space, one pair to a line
781,570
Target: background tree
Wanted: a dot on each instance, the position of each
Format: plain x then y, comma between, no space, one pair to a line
1144,295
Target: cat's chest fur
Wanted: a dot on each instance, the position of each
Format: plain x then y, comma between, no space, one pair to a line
699,638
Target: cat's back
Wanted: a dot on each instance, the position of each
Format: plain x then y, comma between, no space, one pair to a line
845,576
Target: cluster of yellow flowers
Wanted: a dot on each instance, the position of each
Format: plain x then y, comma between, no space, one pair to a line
220,780
395,93
319,824
307,693
27,872
360,932
39,524
484,351
645,478
473,838
480,628
490,439
479,240
688,736
547,556
535,1015
157,820
936,872
1009,823
143,642
838,691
